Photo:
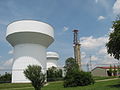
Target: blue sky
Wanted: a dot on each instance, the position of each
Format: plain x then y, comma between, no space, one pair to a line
93,19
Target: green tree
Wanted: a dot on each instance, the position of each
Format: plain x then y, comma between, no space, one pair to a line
110,71
54,74
71,66
118,69
35,75
113,45
5,78
75,77
115,71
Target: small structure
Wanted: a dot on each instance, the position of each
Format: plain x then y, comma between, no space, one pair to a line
103,71
30,40
52,58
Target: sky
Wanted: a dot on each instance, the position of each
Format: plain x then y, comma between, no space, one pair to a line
93,19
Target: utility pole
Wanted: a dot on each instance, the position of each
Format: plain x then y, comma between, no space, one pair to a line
88,67
90,64
76,45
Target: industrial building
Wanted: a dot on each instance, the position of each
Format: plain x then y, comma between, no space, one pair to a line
29,39
102,71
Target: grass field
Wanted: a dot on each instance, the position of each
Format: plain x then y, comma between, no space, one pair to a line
106,85
102,78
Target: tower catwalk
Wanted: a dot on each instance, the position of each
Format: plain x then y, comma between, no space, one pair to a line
76,45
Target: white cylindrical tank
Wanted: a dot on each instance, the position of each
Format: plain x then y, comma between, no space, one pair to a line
52,58
30,39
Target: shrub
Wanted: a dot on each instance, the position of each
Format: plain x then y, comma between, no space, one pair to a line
115,71
75,77
78,79
54,74
85,78
35,75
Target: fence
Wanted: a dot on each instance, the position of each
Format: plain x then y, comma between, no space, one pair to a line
6,75
85,67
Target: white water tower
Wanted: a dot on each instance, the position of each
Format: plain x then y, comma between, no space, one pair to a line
29,39
52,59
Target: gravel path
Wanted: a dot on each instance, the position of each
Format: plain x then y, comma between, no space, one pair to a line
106,79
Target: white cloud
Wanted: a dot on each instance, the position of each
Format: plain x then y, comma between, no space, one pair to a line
10,52
6,65
8,62
116,7
91,42
110,30
65,29
101,18
83,55
105,59
96,47
84,63
103,51
108,60
94,58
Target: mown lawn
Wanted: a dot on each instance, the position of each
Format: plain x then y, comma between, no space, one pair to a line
14,85
102,78
106,85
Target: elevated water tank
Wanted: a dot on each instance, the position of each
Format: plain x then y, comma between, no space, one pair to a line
52,59
30,39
